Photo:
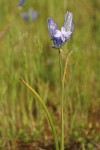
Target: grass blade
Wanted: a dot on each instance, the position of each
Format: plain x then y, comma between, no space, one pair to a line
46,110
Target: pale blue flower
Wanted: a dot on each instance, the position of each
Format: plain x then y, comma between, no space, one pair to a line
29,15
59,37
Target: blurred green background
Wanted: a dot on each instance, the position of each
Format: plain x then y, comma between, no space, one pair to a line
25,52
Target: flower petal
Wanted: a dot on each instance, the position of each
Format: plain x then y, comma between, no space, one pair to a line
57,42
72,26
63,38
67,34
68,21
52,27
57,33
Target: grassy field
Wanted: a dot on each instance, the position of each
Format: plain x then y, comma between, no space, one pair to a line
26,52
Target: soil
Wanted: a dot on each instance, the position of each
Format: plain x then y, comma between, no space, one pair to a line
33,145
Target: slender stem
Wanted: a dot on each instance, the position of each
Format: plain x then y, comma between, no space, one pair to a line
47,112
60,68
62,118
62,100
62,105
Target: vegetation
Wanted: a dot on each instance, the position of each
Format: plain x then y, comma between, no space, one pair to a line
26,53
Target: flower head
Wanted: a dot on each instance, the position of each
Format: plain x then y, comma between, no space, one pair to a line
21,3
60,37
29,15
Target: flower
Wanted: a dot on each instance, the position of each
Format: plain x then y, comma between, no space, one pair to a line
60,37
21,3
29,15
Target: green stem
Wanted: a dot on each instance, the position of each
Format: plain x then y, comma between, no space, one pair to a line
62,101
60,68
62,106
47,112
62,118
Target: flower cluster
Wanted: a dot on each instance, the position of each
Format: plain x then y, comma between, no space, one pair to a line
60,37
29,15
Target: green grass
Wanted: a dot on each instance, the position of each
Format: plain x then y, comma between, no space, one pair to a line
25,53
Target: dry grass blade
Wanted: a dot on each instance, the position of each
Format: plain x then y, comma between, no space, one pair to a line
64,74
